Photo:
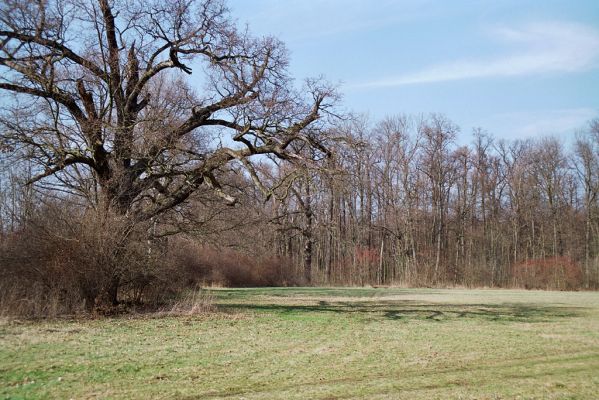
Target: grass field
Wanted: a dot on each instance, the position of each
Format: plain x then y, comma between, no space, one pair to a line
319,344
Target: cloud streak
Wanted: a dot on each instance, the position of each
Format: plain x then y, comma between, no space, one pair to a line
546,47
527,124
301,20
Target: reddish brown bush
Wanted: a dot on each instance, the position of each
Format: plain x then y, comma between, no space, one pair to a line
66,260
82,259
367,255
199,265
548,273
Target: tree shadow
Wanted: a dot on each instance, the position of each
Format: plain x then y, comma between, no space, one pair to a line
406,310
320,292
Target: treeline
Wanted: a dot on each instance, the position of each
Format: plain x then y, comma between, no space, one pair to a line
124,182
404,204
398,202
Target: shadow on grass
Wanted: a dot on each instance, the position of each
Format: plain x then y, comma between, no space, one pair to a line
319,292
412,310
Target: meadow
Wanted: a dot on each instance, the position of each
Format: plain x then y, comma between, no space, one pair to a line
318,343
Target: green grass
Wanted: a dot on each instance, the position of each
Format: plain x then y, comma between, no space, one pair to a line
320,343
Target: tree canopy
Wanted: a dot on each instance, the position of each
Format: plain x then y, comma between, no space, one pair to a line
148,101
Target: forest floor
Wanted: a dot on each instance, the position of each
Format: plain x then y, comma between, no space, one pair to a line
319,343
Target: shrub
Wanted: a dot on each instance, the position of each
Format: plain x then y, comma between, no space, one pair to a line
78,259
548,273
198,264
67,261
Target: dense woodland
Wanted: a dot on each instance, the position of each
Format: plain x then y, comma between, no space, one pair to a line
122,182
406,205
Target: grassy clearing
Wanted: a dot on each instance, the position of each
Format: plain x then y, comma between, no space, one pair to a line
320,343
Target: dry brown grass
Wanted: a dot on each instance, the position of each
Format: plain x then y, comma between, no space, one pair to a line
195,302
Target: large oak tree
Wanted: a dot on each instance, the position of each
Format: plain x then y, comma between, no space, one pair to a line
148,100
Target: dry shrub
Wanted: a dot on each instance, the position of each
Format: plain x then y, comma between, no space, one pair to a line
66,260
561,273
37,301
75,259
197,264
367,256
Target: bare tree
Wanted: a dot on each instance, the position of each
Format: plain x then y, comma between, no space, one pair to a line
438,135
98,92
586,163
549,169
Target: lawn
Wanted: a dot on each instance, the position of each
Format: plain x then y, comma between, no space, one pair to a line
295,343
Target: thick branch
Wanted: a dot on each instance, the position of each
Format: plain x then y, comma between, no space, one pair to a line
60,166
59,96
64,50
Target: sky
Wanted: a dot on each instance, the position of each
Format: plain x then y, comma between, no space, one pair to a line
515,68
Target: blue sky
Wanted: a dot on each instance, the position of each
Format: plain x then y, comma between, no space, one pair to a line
515,68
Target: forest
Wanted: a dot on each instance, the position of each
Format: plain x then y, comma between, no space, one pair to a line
124,182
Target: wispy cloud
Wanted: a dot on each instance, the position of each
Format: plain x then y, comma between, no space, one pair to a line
301,20
541,47
561,122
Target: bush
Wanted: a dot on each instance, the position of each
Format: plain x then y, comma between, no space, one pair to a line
79,260
68,261
203,265
561,273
